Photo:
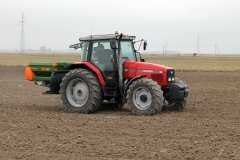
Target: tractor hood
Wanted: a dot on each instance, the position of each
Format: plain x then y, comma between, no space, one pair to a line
163,75
144,66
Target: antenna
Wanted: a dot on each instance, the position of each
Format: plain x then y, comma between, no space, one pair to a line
22,36
198,39
91,29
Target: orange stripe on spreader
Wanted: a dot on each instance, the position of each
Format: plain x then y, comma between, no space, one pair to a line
29,74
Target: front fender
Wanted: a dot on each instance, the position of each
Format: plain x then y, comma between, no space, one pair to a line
128,84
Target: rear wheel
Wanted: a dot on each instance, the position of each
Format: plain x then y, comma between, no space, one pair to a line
80,91
145,97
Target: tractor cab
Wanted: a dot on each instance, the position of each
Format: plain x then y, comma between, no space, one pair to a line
98,49
108,53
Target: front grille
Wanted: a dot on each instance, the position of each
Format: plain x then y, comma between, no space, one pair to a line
157,77
170,75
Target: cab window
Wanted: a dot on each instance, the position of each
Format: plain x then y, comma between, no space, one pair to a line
85,46
102,55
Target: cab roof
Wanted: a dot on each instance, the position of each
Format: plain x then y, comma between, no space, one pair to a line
106,37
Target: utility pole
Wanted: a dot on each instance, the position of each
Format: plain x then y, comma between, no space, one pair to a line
166,47
163,50
43,48
22,36
198,39
216,50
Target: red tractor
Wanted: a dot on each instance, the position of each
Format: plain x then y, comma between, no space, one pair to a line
110,70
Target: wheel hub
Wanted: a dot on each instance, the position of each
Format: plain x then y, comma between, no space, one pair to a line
77,92
142,98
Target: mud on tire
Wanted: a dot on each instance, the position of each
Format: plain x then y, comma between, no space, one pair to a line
86,91
144,97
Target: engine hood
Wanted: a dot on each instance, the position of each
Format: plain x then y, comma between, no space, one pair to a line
145,66
156,72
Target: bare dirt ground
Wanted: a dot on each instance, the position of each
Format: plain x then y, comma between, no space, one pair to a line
36,126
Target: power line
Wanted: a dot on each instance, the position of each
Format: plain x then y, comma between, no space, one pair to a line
22,36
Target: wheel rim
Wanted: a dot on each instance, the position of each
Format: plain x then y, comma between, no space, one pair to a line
77,92
142,98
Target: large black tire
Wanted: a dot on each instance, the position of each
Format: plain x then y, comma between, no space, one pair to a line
148,86
177,105
56,81
94,96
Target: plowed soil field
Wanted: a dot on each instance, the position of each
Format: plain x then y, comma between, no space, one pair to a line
36,126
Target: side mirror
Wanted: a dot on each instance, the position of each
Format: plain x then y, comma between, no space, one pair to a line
144,45
76,46
113,45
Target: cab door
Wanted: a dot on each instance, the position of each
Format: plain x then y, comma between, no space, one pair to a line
103,58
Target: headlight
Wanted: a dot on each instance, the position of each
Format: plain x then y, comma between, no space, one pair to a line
170,75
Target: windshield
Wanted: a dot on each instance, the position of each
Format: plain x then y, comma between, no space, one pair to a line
128,51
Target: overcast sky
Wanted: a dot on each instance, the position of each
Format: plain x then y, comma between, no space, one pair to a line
59,23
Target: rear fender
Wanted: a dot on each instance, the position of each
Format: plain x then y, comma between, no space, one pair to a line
90,67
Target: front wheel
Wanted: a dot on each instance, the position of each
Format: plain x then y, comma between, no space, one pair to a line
145,97
176,104
80,91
